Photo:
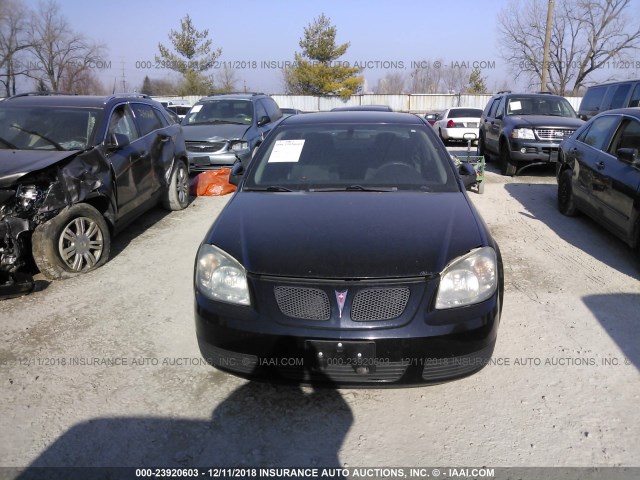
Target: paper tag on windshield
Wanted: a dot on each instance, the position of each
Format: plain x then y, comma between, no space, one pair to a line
196,108
286,151
515,105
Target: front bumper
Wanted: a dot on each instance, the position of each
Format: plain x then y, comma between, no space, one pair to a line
201,162
534,151
424,348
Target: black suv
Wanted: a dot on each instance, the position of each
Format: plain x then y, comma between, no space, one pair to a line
525,128
74,170
223,129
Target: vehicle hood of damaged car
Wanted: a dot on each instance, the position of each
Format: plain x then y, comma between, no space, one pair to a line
347,235
14,164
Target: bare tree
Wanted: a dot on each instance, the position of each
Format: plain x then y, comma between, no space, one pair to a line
455,79
13,41
392,82
426,77
586,35
226,80
58,51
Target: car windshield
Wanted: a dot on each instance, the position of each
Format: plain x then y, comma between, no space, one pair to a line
351,157
47,128
465,112
540,105
238,112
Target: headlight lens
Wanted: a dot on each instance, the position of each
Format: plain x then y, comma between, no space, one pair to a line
469,279
219,276
239,145
523,133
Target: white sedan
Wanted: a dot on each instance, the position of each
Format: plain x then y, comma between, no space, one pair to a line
459,123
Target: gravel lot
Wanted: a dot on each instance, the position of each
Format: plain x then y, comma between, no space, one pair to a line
104,369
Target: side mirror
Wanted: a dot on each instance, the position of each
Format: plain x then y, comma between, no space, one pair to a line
629,155
468,174
263,120
237,171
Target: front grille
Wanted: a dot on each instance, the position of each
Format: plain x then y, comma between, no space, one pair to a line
303,303
442,368
204,147
553,133
377,304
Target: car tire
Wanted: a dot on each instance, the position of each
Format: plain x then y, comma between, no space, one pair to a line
507,167
176,197
55,242
566,203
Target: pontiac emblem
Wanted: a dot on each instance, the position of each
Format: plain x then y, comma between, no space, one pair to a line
341,297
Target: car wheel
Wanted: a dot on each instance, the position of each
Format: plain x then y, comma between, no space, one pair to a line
176,196
507,167
75,241
565,194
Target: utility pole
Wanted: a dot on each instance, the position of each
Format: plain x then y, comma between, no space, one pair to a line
547,41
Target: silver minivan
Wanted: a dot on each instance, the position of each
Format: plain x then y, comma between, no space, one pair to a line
608,96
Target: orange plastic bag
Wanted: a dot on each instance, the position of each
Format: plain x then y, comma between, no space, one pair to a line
211,183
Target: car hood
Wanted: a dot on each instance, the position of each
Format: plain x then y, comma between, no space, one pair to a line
17,163
347,234
541,121
213,133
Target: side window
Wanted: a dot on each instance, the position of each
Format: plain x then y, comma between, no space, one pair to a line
599,133
122,123
634,101
146,118
500,107
620,95
272,109
162,118
628,136
260,110
494,106
593,99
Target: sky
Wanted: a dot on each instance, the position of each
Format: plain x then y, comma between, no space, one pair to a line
257,37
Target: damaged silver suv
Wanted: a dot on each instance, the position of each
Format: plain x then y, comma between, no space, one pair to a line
75,170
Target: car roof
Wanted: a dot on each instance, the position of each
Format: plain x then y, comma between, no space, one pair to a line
631,111
86,101
355,116
233,96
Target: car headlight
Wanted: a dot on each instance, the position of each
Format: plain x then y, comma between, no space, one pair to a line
523,133
469,279
219,276
239,145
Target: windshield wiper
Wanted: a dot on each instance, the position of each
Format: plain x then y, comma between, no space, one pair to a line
8,144
38,134
213,122
270,188
355,188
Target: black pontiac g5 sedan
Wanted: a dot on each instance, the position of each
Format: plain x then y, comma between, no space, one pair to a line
350,254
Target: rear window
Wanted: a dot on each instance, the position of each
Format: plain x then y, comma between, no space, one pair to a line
620,96
340,156
465,112
593,99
